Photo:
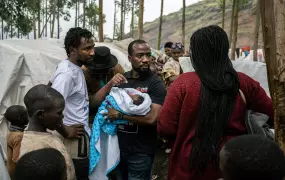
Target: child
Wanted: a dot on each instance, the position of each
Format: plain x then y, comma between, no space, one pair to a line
137,99
250,157
171,69
42,164
18,120
45,106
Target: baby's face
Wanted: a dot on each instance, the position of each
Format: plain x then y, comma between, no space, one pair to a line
136,99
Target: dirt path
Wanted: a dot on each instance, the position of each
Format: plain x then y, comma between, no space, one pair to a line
160,165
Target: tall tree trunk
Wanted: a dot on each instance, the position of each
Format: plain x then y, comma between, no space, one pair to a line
101,33
84,4
232,21
45,25
11,30
2,28
122,20
133,18
256,30
160,25
43,13
53,20
183,23
46,19
234,40
224,13
273,30
78,11
115,20
58,18
35,27
39,18
76,17
18,31
140,29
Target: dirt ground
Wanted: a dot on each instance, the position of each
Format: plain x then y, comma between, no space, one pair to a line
160,165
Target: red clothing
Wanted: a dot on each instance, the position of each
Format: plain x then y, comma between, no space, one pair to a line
177,121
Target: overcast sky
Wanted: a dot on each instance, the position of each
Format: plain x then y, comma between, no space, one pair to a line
152,11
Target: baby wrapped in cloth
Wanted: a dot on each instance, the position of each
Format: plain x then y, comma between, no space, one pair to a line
104,145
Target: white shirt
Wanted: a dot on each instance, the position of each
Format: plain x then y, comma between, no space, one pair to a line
69,80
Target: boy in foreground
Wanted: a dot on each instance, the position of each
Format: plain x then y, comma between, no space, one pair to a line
45,106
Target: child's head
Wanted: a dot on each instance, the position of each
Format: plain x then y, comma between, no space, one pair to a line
43,164
17,115
167,48
45,105
251,157
177,51
137,99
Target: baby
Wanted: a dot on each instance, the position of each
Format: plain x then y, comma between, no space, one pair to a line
137,99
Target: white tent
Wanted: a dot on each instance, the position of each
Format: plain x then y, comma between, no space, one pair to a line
26,63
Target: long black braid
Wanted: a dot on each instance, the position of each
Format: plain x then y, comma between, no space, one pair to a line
209,48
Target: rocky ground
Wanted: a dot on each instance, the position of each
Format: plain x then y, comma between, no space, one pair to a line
160,165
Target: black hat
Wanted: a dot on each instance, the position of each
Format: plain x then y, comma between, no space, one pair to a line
103,59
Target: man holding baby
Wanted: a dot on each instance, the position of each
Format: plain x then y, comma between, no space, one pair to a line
138,138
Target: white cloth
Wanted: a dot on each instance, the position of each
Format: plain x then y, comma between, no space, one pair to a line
70,82
125,103
4,175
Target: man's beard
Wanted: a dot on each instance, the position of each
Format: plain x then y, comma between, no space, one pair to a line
143,72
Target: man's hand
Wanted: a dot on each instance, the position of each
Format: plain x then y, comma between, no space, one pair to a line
112,114
118,79
74,131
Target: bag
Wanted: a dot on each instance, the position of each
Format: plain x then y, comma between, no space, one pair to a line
256,123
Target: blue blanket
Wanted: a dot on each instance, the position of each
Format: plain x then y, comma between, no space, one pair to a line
101,125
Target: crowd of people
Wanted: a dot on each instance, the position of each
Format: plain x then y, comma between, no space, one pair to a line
92,113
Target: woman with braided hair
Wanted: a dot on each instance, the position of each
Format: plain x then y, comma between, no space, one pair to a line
204,109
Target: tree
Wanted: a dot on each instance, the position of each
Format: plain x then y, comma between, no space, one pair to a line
46,18
92,15
53,12
224,10
84,7
115,19
12,12
160,25
134,16
101,33
232,20
2,28
38,3
183,23
235,30
122,20
59,6
273,23
141,11
256,30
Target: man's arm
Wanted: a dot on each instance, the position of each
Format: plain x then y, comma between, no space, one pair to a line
149,119
99,97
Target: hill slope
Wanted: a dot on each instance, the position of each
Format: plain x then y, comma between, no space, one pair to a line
203,13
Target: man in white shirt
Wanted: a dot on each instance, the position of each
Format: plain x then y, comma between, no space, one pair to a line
70,82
